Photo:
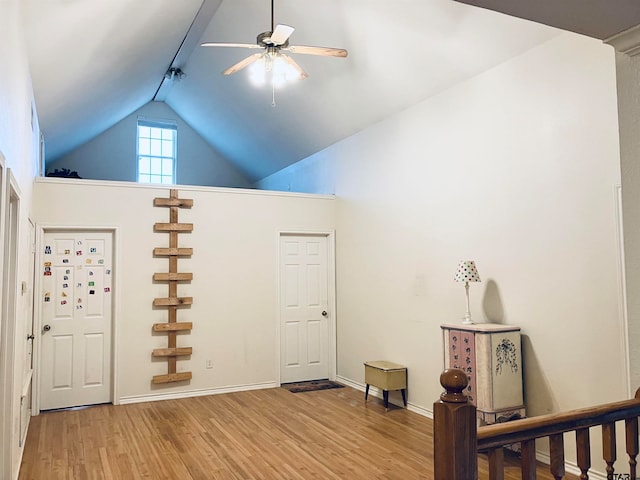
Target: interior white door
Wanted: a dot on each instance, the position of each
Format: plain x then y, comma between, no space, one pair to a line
304,327
76,320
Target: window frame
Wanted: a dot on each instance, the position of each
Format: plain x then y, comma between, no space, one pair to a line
165,125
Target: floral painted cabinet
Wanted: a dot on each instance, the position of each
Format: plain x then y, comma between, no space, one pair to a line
491,356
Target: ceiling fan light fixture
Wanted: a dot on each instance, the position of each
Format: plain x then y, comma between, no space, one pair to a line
272,68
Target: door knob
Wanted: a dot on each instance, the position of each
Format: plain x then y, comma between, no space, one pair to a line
46,328
324,313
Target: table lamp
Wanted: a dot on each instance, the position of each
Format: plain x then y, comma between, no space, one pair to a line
467,272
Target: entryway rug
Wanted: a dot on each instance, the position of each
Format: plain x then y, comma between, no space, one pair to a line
311,386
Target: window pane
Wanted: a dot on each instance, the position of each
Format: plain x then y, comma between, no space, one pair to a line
156,150
156,166
144,147
167,166
143,165
167,148
167,134
144,131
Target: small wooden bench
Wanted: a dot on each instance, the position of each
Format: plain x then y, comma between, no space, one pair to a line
386,376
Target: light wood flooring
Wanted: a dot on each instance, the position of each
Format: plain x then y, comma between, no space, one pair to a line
260,434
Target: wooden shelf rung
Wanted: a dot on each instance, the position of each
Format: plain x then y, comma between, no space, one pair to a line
172,327
172,301
173,202
172,352
173,227
160,277
172,252
172,377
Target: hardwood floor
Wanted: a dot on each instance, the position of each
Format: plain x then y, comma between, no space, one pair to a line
261,434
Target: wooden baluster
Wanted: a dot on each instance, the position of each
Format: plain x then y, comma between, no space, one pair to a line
454,430
528,459
556,451
583,448
631,433
496,463
609,447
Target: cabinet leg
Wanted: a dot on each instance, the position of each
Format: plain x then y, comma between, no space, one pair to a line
385,396
404,397
366,393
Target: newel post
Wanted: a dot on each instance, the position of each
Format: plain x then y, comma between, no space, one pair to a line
455,453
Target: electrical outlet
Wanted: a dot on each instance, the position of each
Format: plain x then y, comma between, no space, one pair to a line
209,364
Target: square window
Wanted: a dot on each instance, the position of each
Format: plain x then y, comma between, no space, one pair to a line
156,152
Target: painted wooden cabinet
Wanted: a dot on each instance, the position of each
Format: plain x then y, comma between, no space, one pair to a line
491,356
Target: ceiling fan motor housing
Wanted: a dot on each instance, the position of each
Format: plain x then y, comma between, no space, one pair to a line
264,40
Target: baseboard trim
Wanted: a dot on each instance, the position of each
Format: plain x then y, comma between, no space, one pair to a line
154,397
378,394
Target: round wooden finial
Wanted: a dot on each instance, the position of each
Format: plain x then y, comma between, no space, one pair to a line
454,382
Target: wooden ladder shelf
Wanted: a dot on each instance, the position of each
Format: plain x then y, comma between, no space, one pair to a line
172,302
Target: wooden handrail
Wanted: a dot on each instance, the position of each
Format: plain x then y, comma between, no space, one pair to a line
457,439
498,434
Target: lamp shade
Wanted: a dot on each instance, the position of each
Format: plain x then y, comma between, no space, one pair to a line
467,272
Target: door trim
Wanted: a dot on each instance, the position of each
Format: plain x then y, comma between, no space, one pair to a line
331,296
11,206
41,229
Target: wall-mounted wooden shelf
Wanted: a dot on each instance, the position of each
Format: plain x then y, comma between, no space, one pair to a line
172,252
175,301
163,277
172,302
172,352
172,377
172,327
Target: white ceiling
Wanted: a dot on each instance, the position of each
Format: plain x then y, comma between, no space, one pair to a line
95,61
595,18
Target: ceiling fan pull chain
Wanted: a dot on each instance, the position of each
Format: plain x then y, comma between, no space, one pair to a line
273,96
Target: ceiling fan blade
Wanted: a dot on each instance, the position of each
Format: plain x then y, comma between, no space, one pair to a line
242,64
281,34
236,45
322,51
302,74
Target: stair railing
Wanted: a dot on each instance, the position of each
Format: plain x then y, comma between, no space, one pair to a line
457,439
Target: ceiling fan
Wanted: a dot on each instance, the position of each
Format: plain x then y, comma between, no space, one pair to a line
274,61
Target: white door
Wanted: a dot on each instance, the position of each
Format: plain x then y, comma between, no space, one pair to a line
76,319
304,325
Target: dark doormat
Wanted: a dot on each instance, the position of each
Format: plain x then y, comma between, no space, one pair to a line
311,386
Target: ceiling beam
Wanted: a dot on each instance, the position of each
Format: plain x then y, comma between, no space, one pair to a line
190,41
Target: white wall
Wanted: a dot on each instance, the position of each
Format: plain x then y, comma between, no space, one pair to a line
19,134
628,78
235,242
112,154
515,169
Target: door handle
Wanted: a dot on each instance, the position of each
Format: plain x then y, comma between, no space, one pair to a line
46,328
324,313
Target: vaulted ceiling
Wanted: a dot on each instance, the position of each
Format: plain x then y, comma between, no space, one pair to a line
93,62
